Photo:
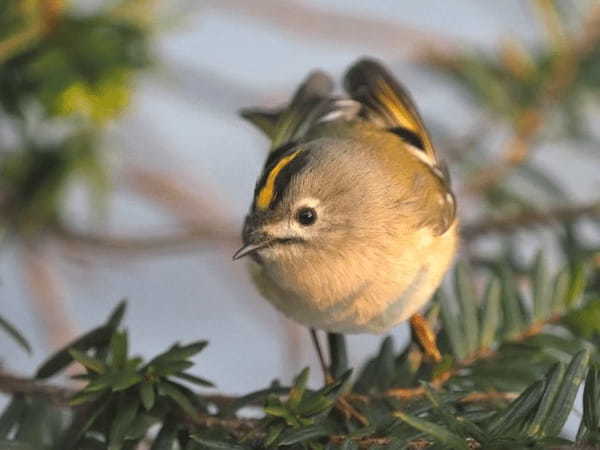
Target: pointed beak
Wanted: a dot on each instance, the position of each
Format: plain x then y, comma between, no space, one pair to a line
248,249
253,236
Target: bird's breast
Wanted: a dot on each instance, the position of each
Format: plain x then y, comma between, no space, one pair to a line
367,292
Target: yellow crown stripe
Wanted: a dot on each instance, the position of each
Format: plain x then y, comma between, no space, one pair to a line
265,195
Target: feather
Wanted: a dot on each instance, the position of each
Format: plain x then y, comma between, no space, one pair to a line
388,104
263,119
376,99
311,102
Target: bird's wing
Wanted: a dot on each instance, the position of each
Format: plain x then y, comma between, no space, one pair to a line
388,105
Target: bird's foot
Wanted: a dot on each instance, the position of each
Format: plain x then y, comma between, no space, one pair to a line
344,407
425,338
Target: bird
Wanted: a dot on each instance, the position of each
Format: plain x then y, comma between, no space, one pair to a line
353,222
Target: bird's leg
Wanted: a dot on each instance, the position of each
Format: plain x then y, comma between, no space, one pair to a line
338,357
326,372
342,404
425,337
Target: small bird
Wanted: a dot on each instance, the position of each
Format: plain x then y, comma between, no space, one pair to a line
353,223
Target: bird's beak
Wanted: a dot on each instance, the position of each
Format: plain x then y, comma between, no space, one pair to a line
249,248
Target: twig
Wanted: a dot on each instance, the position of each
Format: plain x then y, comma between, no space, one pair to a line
410,393
237,427
12,384
325,24
488,397
527,219
184,241
183,197
47,294
363,442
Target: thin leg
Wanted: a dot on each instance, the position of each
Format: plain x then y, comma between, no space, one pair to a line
338,357
324,367
342,404
425,337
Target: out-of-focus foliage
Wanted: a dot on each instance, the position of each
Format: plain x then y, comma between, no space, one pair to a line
34,179
86,78
70,75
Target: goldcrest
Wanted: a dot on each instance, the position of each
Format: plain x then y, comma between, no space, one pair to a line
353,224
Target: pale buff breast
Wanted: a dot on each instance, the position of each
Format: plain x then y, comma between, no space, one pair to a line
380,296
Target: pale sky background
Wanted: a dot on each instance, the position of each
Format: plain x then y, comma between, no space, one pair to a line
183,119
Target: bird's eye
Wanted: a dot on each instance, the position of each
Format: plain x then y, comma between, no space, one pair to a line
306,216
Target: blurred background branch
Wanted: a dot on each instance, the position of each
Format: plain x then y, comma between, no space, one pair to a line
188,241
527,220
323,24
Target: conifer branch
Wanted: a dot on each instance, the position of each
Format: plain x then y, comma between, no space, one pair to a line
530,121
529,219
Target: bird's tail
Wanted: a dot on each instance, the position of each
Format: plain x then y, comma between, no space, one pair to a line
290,123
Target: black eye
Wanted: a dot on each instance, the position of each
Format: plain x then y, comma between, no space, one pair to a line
306,216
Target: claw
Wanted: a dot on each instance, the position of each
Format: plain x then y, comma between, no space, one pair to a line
425,337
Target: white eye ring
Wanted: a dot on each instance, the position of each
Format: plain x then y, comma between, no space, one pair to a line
309,202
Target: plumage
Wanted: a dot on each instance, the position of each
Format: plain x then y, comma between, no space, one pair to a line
268,193
386,102
353,222
310,102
